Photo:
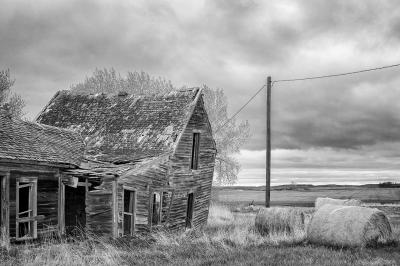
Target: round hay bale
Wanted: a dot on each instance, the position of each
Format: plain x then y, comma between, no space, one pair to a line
348,226
319,202
274,220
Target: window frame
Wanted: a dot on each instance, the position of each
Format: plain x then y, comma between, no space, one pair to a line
194,158
32,217
189,210
160,193
133,201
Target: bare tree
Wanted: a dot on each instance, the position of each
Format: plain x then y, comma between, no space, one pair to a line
14,102
229,137
109,81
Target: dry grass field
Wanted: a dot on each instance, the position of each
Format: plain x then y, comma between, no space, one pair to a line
228,239
304,195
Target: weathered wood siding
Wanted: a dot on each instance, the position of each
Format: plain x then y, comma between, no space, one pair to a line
47,194
152,178
99,208
170,176
47,203
174,180
185,180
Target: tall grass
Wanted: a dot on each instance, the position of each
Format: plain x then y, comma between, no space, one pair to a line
226,239
239,230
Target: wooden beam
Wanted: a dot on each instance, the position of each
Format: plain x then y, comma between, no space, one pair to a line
34,163
29,170
34,206
61,205
115,207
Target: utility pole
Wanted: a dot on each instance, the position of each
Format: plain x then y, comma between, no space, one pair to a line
268,148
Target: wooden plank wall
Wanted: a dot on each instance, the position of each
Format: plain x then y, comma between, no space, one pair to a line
151,179
173,178
47,201
99,208
184,180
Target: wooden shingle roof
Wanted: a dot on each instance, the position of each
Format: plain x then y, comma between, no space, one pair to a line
23,140
123,128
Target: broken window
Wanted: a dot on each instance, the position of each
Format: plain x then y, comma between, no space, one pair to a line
129,212
189,210
156,209
26,208
195,151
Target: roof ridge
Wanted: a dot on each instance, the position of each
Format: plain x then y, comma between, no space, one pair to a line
127,95
124,127
29,140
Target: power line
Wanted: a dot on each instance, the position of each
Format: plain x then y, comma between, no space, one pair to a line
300,79
241,108
337,75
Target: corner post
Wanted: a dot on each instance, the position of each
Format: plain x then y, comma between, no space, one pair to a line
61,204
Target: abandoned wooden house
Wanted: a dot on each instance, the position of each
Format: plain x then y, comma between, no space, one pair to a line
32,156
149,161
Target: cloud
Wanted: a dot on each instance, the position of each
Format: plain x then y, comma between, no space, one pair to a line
379,156
322,166
49,45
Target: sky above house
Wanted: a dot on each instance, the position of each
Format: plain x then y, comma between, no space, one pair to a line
338,130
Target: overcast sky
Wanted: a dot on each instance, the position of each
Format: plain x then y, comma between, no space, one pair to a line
348,124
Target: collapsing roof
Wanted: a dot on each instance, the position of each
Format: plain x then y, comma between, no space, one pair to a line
123,128
22,140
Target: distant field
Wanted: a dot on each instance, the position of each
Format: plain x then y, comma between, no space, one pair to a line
304,196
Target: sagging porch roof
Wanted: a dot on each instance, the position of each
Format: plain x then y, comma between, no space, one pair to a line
29,141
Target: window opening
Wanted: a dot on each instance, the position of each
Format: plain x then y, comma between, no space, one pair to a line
189,210
26,210
195,151
156,209
129,212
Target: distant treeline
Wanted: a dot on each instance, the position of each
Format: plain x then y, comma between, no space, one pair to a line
389,184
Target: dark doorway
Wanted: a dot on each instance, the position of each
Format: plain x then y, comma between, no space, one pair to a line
75,215
24,228
189,210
